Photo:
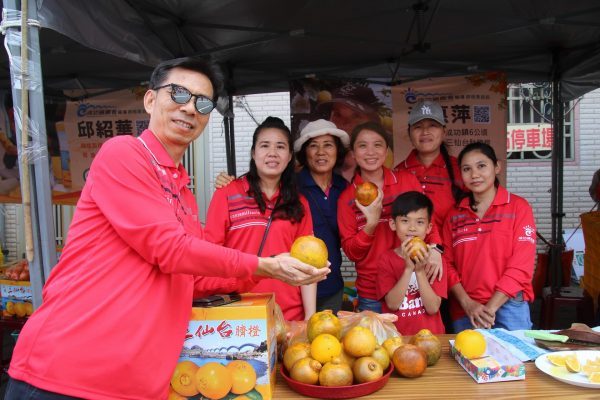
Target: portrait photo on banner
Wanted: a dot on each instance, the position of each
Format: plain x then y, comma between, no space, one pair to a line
343,102
474,109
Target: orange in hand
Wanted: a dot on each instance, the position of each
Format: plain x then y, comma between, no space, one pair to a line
366,193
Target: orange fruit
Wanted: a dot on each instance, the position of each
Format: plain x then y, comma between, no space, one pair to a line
325,347
323,96
557,359
594,377
20,310
213,380
306,371
392,343
295,352
410,361
366,192
366,369
243,376
28,308
183,379
359,342
572,364
429,343
381,355
470,343
323,322
310,250
418,246
173,395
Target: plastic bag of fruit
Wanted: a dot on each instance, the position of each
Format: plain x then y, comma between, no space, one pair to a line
18,271
382,325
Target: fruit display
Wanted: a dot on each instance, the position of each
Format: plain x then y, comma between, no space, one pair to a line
366,193
310,250
17,271
338,355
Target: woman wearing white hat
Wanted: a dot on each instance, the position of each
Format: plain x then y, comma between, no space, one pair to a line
321,148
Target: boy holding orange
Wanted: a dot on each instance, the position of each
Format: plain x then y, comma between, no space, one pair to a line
402,284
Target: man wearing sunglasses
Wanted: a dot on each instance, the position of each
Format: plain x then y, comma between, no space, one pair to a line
116,307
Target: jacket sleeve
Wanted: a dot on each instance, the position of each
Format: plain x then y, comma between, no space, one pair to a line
146,222
355,243
519,266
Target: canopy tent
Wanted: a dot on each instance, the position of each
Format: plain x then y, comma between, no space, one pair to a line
263,44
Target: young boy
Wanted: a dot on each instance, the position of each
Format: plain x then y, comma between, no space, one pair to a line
402,284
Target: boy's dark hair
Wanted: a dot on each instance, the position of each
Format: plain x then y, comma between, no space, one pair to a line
205,67
411,201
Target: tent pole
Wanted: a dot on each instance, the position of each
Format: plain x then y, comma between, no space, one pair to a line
230,138
556,201
44,240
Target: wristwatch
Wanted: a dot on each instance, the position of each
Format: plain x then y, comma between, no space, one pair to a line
437,247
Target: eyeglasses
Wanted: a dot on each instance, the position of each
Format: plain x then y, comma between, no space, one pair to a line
181,95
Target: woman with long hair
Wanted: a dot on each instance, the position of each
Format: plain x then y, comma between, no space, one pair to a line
263,213
490,248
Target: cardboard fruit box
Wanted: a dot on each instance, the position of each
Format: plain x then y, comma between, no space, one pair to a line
242,332
496,365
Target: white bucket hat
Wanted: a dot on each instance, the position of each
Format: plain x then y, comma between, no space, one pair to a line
318,128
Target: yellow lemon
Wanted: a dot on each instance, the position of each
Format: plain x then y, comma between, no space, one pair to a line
325,347
470,343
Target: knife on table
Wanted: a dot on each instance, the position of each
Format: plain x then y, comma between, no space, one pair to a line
552,337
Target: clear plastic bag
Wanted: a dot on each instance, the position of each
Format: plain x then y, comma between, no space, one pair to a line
382,325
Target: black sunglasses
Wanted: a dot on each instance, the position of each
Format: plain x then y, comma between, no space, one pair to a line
181,95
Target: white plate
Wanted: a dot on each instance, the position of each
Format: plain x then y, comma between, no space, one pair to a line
561,373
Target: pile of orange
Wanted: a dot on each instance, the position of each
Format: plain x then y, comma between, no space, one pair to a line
330,359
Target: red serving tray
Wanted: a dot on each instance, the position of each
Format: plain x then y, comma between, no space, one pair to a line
337,392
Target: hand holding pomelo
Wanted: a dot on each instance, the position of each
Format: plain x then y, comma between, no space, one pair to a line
310,250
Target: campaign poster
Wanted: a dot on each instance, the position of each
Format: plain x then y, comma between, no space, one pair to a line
88,124
474,109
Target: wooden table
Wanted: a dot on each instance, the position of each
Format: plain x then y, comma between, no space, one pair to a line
448,380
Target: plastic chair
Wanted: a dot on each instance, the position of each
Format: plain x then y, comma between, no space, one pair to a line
554,300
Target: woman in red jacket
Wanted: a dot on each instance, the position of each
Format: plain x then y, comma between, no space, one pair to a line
263,213
490,248
365,230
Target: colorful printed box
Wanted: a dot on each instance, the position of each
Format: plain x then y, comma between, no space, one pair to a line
496,365
243,331
16,290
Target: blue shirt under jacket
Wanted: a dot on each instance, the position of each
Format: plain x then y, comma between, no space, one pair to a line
324,215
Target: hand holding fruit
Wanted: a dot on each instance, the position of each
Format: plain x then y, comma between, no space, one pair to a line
415,250
371,205
290,270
